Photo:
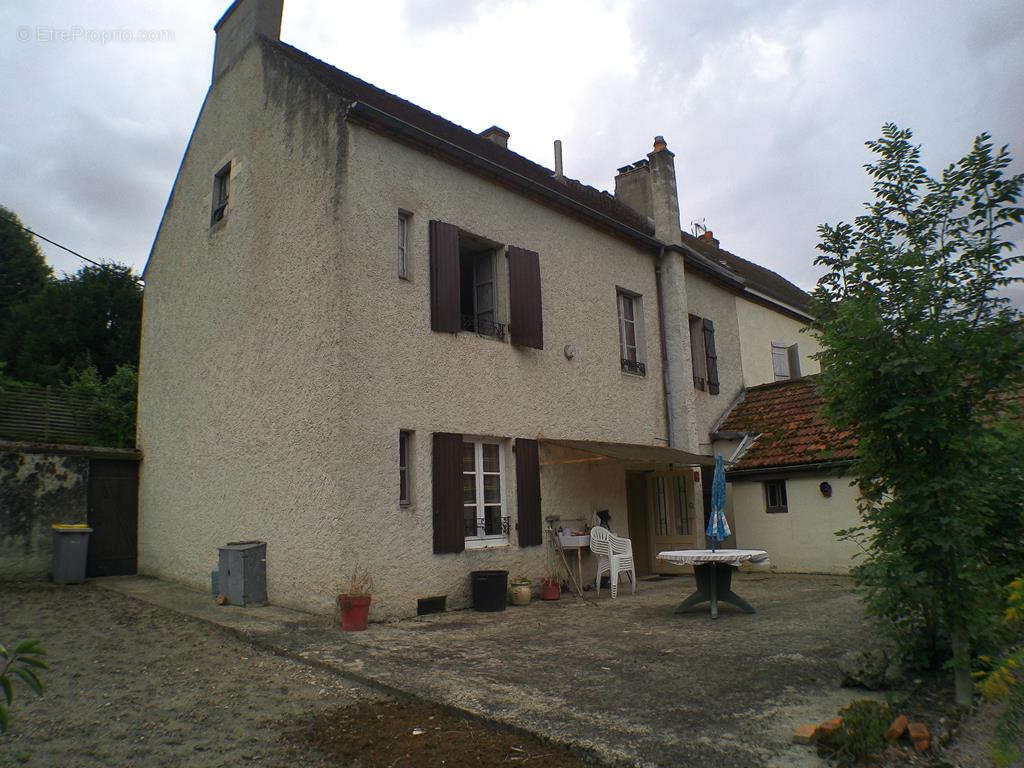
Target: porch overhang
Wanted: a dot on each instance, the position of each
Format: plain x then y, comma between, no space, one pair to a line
632,453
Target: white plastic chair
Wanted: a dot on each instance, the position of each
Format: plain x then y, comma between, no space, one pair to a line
614,557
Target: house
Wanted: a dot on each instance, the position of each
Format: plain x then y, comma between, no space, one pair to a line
790,487
373,336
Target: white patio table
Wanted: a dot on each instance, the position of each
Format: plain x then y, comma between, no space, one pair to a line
713,570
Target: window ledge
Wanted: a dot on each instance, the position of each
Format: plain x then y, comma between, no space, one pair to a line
634,376
217,226
477,544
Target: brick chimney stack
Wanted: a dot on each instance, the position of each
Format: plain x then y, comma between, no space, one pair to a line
240,25
664,196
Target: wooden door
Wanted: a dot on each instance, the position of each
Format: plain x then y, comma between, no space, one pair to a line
639,529
673,523
113,516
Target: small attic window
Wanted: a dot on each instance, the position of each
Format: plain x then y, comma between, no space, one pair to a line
221,182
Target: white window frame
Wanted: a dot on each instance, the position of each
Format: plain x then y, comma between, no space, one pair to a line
639,350
481,541
404,219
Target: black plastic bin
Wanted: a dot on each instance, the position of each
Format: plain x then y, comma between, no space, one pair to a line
490,590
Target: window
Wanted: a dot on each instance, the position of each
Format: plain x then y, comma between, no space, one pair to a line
660,507
483,494
785,361
703,355
221,182
403,243
477,295
697,352
472,289
630,333
404,480
775,496
682,507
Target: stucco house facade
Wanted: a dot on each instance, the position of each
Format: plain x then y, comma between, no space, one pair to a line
371,336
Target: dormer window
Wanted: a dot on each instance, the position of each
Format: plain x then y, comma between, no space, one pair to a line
221,182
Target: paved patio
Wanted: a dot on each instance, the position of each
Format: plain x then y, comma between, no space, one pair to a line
627,680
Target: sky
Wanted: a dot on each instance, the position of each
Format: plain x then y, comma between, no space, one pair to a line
766,104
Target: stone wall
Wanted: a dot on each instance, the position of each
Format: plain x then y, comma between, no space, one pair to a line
37,490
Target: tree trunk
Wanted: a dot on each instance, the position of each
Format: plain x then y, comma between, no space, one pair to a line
964,686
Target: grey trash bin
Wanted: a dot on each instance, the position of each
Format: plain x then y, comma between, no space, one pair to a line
242,572
70,549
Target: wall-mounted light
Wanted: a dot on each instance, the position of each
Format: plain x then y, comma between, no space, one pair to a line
826,489
569,351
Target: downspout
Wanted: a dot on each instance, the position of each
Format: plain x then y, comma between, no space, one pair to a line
666,379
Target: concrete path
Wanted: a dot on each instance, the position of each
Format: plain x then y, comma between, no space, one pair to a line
628,681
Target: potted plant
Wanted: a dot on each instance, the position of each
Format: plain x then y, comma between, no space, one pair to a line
354,603
550,587
519,591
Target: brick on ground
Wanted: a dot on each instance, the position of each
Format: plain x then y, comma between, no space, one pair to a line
896,729
804,733
918,733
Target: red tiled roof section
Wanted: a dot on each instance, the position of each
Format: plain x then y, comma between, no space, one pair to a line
351,88
787,416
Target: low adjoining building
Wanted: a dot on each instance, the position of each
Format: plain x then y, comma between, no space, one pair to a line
789,483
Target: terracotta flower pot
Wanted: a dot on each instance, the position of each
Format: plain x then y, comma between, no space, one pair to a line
550,590
355,609
519,594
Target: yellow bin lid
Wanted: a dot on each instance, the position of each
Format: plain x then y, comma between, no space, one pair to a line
72,527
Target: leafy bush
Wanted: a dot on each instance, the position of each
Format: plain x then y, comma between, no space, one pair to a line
1004,682
20,663
861,734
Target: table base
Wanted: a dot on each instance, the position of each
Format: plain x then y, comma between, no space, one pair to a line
714,585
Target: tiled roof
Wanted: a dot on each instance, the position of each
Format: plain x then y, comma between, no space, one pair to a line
786,415
351,88
757,277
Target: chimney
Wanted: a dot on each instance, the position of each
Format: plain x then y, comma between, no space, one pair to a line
241,24
498,135
633,186
664,196
558,160
709,237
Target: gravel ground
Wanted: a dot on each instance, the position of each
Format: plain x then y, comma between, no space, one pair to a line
132,684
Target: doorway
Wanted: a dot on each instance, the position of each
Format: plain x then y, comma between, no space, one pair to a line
672,517
639,529
113,515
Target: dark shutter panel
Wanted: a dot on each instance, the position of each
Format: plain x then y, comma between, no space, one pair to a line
710,356
528,492
449,527
526,324
444,277
794,361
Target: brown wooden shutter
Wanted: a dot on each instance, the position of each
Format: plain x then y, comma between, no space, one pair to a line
528,492
444,277
449,525
710,356
526,324
793,353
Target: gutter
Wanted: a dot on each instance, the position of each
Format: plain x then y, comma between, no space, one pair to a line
789,469
666,379
363,113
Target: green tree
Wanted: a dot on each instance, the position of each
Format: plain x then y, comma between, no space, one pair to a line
23,270
90,318
917,350
114,402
